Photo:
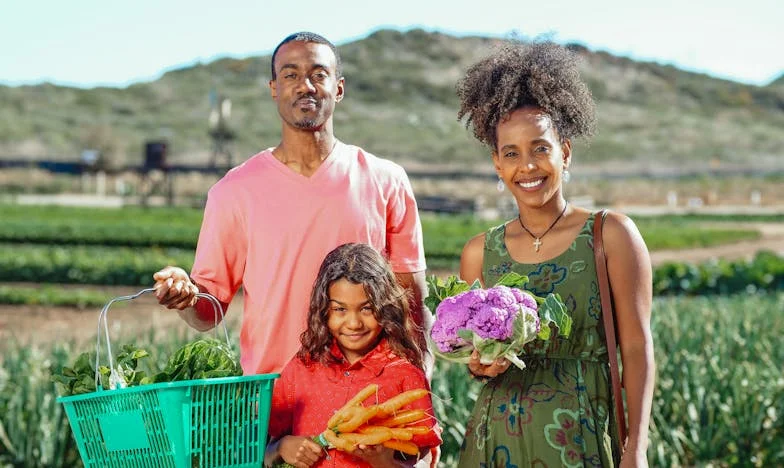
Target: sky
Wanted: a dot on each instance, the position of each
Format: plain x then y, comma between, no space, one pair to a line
89,43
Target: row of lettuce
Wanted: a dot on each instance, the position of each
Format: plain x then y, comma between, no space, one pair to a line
53,255
718,399
49,267
444,235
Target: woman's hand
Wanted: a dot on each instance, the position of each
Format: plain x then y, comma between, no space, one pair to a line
634,459
496,368
174,288
299,451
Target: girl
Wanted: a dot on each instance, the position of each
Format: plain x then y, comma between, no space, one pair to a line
358,332
526,103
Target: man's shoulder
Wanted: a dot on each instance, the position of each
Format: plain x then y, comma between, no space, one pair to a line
377,164
252,168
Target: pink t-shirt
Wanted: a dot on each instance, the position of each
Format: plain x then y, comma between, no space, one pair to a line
267,228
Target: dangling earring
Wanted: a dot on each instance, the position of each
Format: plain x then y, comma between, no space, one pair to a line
566,176
500,185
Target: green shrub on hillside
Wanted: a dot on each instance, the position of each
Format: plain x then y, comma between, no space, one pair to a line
765,272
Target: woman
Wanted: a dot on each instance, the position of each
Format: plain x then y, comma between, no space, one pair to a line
526,102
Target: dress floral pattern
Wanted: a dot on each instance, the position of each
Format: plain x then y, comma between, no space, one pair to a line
556,411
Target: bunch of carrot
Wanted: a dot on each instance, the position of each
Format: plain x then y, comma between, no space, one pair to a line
383,423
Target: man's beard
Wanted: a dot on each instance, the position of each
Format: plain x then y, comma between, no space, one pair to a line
307,124
311,121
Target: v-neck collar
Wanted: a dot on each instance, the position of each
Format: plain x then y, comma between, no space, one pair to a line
324,167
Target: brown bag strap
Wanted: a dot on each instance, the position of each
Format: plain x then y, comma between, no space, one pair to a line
608,316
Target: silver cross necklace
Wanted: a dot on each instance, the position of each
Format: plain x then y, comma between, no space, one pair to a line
538,239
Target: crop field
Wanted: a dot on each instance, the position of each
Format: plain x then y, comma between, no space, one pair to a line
718,399
58,246
717,326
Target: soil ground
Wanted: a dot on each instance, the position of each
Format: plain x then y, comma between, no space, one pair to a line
42,325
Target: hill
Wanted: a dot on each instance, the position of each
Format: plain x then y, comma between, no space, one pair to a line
401,103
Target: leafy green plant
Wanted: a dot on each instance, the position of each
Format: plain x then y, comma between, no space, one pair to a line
80,377
454,394
34,430
719,390
204,358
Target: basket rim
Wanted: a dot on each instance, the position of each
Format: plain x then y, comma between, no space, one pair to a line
100,393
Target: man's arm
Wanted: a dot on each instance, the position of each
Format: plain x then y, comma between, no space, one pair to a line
417,286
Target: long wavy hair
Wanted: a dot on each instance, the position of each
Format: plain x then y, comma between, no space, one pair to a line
360,264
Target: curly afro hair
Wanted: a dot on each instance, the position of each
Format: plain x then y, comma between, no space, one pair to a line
539,74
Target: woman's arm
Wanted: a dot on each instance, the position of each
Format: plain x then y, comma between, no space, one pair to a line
471,259
629,268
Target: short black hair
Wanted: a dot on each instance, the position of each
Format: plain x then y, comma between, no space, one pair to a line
307,36
539,74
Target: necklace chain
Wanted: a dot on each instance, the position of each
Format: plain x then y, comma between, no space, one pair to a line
538,239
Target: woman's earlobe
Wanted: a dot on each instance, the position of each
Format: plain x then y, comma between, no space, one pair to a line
566,149
496,165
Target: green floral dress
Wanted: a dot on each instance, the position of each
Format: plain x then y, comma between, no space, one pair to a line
557,411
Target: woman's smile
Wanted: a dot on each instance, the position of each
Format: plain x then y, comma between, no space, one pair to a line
531,184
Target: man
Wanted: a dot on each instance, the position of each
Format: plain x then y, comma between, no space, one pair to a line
270,222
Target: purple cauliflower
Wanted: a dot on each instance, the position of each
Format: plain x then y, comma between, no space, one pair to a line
490,313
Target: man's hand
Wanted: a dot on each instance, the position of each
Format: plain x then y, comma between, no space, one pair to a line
174,288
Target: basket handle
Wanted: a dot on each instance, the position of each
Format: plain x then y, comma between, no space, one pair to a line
114,379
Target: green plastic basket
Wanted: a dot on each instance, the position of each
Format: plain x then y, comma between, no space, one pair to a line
206,423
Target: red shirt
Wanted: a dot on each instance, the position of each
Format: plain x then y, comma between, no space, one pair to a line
306,396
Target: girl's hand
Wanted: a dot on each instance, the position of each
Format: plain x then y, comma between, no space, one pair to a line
377,456
299,451
498,367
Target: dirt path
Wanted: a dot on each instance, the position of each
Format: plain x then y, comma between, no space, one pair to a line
41,325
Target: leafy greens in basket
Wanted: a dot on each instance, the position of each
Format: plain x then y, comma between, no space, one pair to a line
199,359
